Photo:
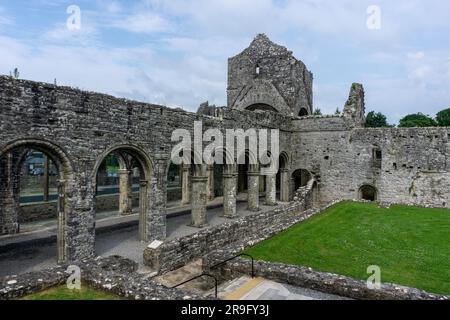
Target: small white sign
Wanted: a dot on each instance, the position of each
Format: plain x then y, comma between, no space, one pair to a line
155,244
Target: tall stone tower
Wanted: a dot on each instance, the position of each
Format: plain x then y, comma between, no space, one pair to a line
267,77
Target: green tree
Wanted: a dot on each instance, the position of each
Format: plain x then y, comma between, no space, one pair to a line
376,120
338,112
417,120
443,118
317,112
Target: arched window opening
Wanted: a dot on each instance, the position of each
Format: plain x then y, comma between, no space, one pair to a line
368,193
303,112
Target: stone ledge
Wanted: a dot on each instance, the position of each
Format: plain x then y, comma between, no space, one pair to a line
323,282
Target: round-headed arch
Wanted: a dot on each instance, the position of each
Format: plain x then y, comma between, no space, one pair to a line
284,160
144,161
368,192
56,153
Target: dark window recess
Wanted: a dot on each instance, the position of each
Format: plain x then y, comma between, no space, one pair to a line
377,158
395,166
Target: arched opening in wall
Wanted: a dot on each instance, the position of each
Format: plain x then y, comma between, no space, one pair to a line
122,178
117,187
303,112
35,176
242,180
301,177
250,164
38,190
175,185
368,193
261,107
282,183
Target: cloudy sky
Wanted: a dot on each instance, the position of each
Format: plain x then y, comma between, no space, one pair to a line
175,52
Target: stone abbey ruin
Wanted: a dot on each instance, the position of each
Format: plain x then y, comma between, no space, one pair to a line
322,158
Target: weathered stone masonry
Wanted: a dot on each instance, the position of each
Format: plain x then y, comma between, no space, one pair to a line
267,88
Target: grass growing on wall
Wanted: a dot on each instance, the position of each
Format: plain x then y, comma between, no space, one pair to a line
63,293
411,245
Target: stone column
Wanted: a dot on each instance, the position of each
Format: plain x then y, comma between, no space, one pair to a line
126,196
253,191
210,184
284,185
156,202
143,186
229,195
198,202
9,196
186,185
271,190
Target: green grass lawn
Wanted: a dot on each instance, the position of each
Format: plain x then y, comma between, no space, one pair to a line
411,245
63,293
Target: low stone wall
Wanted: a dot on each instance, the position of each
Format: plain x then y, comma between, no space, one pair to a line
47,210
114,275
310,279
174,254
37,211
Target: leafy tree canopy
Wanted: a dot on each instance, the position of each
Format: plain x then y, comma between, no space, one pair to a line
417,120
376,120
443,118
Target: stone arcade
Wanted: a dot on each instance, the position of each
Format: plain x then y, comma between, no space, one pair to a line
267,88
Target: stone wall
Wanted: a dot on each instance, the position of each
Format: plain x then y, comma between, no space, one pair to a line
47,210
178,252
311,279
414,168
77,129
114,275
253,228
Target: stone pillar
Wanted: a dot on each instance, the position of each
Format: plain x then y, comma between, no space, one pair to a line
76,216
229,194
284,185
143,194
157,202
198,202
9,196
186,185
126,195
210,184
271,190
253,191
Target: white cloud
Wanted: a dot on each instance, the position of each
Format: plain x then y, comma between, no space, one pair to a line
147,23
